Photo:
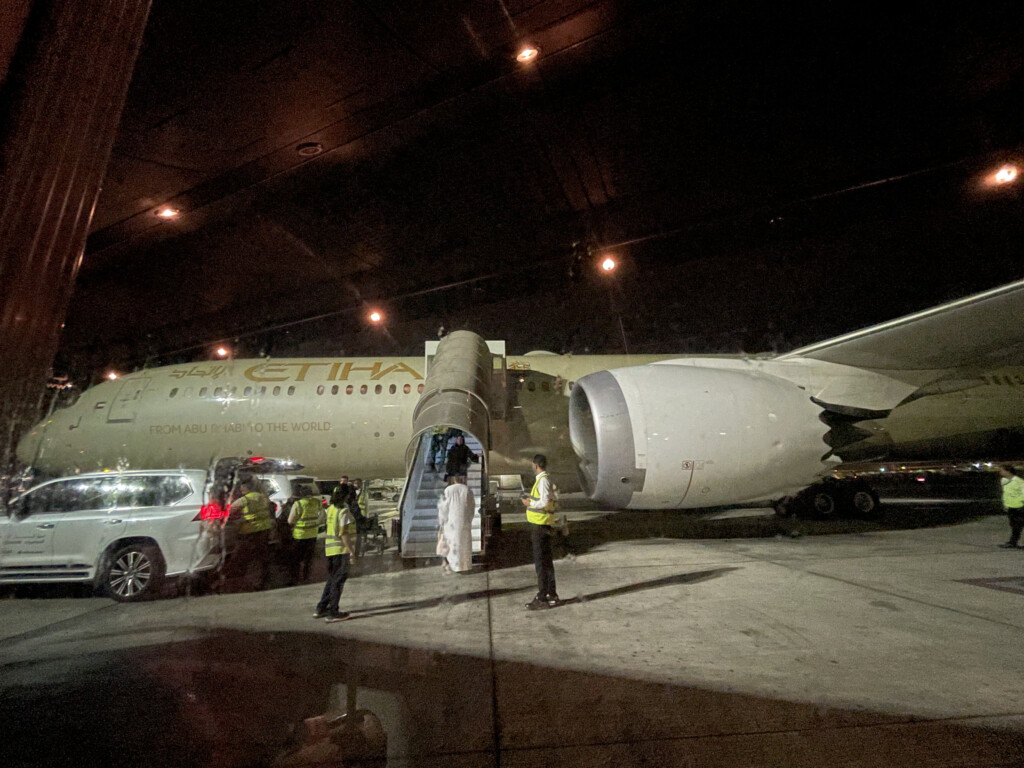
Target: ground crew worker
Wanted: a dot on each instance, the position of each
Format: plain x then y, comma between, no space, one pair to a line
540,515
339,548
1013,503
361,504
361,499
252,510
304,519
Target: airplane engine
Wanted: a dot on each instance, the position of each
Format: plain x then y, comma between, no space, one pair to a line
681,436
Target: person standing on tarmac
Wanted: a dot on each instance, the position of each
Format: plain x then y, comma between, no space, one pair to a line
1013,502
340,495
540,516
304,520
362,502
252,509
339,548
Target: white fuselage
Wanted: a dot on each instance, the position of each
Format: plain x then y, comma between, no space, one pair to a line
355,417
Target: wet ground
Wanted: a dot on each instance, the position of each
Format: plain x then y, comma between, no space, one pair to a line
781,644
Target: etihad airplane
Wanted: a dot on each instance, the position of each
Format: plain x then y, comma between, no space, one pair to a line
641,431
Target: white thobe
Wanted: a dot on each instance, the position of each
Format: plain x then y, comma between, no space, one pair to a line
455,514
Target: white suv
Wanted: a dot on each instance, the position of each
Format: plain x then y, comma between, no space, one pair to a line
122,531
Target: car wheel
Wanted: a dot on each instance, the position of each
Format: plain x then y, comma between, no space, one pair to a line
135,572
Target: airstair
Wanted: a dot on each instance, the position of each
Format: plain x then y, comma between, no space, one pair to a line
463,389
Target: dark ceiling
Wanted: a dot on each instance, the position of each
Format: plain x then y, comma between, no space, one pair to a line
723,147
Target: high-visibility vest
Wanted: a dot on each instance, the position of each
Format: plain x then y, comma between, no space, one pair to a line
362,502
336,526
1013,492
538,516
255,513
308,521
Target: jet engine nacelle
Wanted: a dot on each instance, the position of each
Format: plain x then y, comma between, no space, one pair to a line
680,436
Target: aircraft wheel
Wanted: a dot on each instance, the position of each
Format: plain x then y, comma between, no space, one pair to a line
864,502
823,502
135,572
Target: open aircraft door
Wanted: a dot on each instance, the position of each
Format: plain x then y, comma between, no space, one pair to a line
457,394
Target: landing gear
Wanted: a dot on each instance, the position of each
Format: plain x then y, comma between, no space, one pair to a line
831,499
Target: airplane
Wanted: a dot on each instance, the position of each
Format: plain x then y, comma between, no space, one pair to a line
639,431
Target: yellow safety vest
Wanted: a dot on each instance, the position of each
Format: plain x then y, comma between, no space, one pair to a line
536,516
335,545
308,520
362,502
255,513
1013,492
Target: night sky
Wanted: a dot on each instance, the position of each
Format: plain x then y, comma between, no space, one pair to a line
729,152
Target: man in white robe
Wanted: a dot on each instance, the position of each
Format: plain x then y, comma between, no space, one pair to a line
455,512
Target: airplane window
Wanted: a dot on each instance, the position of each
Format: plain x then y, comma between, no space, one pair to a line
349,389
334,389
545,386
320,389
247,391
276,391
571,385
263,390
392,389
291,390
218,392
362,390
532,386
100,405
174,392
419,389
378,389
202,392
407,389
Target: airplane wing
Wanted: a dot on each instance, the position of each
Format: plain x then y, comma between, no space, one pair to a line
986,329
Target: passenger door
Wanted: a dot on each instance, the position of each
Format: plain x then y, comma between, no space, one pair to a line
89,521
26,535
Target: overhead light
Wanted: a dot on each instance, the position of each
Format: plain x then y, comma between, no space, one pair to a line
527,53
376,317
222,352
608,264
112,375
310,148
1007,174
167,212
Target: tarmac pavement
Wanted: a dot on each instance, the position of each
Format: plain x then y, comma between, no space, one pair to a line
868,648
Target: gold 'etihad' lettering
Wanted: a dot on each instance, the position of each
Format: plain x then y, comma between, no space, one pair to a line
266,368
304,368
396,368
336,372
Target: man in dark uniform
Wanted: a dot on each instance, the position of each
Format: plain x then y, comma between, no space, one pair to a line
459,457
